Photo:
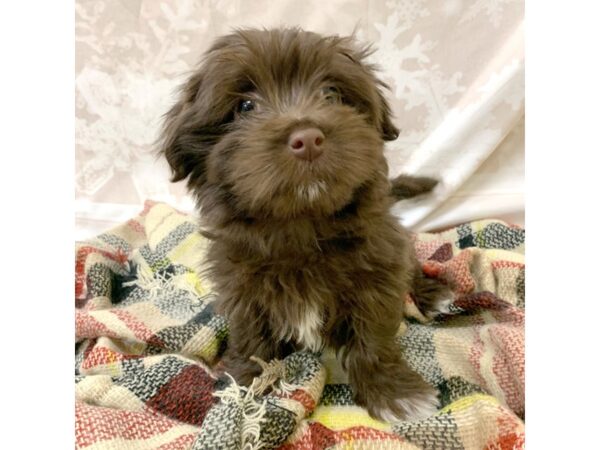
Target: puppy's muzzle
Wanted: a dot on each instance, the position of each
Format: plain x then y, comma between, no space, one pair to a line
306,144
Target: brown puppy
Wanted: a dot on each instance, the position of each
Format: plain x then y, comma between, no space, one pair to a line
281,134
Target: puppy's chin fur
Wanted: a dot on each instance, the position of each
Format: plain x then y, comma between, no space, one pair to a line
311,192
303,254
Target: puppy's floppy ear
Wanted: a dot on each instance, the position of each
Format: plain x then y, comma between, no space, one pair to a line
389,132
381,108
176,140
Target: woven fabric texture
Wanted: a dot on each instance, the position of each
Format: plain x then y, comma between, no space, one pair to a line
148,340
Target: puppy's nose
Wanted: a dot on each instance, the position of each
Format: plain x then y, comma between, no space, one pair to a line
306,143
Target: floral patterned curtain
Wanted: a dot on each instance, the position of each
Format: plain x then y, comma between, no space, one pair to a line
455,68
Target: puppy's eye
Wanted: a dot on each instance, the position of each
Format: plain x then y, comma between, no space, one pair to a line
331,94
245,106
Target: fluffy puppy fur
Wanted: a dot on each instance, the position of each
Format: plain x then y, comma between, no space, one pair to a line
304,253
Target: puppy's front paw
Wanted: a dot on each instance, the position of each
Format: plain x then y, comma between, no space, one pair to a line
408,403
242,370
432,297
441,305
415,406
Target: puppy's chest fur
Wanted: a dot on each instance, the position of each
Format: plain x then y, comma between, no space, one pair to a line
307,331
295,297
300,296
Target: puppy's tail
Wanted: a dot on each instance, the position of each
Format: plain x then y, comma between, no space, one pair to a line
407,186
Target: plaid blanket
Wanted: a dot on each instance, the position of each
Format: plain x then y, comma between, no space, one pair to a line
147,338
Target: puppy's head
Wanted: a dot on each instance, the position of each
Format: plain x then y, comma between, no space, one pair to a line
279,123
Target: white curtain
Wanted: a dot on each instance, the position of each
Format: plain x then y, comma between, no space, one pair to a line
455,68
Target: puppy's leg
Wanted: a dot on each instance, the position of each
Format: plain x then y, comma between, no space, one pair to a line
431,296
382,381
248,338
240,367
